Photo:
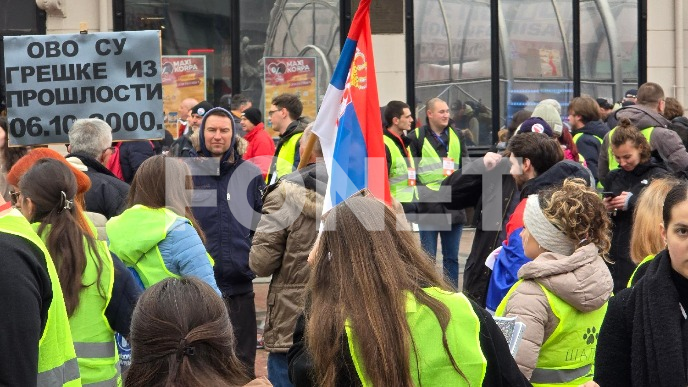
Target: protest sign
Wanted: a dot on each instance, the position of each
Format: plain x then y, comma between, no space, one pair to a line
54,79
292,75
182,77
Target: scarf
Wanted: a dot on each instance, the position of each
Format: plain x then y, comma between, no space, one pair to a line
657,357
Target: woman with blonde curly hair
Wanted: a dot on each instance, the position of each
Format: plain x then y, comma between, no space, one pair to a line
562,293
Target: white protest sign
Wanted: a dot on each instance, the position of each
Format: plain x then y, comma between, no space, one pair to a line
53,80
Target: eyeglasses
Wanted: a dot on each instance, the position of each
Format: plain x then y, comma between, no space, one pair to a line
271,112
14,196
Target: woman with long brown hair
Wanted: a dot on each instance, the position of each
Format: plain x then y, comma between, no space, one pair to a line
379,314
181,336
99,292
157,235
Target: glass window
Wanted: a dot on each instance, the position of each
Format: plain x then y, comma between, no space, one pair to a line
199,27
452,56
306,28
254,19
539,53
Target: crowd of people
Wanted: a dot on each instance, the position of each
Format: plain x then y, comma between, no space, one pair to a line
580,234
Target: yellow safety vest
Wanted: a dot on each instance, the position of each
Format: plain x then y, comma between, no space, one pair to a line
57,363
463,339
613,164
286,155
643,262
398,174
150,267
94,340
567,357
430,171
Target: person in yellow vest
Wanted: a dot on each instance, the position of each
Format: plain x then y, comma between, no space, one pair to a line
587,130
400,168
285,118
437,150
370,282
646,238
643,340
99,291
158,236
562,293
37,344
622,187
646,115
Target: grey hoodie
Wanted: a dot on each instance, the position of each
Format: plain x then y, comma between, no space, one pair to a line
663,140
581,279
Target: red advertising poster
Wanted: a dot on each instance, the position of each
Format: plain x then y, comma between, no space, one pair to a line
183,76
295,76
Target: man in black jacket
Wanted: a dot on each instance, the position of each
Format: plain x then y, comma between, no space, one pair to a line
90,142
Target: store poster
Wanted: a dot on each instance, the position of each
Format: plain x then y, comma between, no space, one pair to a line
291,75
183,76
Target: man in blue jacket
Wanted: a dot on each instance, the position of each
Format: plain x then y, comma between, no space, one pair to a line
227,204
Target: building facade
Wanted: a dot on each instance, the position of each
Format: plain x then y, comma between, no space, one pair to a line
493,57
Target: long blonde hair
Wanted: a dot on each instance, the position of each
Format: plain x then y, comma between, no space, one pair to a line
647,216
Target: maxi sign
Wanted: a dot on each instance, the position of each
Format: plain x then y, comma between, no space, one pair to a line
53,80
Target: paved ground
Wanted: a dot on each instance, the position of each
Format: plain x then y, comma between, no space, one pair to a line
260,287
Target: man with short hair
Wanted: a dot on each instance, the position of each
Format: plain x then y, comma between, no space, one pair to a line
284,237
238,104
437,150
400,168
228,214
183,114
537,162
90,141
285,116
587,130
646,115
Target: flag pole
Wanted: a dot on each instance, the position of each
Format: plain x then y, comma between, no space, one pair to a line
307,151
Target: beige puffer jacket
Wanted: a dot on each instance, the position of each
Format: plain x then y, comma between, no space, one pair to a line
284,237
581,279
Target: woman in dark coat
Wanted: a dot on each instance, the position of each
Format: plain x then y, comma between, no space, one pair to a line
622,187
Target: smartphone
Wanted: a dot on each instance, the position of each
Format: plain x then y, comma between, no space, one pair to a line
609,194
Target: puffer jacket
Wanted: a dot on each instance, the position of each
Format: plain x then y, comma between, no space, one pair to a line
664,142
581,279
180,248
286,232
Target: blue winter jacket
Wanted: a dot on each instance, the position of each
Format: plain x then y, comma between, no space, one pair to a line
227,204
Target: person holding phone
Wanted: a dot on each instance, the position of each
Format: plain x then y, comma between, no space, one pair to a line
622,187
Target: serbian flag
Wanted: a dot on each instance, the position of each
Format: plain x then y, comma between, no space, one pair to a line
349,124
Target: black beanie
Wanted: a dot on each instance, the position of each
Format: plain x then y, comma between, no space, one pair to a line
253,114
201,108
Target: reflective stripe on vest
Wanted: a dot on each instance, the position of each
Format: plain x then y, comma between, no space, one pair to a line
57,364
567,357
284,164
430,171
66,374
398,175
613,164
463,339
94,340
